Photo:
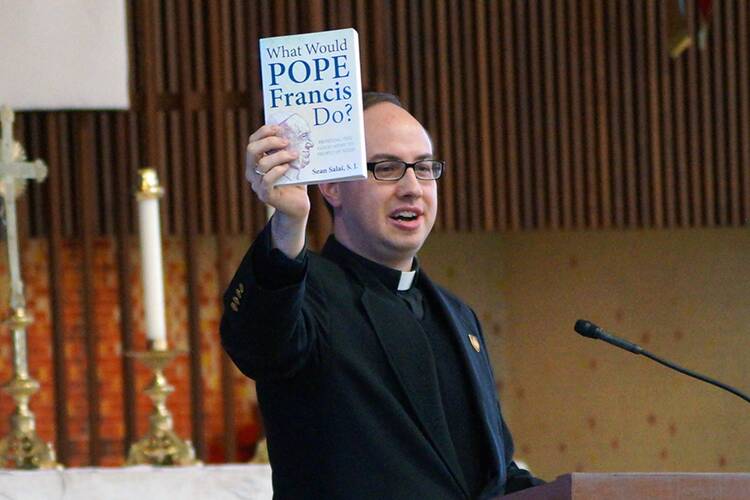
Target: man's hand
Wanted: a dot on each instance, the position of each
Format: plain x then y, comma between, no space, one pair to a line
266,161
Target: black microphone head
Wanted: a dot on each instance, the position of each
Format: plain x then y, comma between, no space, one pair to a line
587,329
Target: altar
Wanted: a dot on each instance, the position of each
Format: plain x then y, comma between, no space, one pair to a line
207,482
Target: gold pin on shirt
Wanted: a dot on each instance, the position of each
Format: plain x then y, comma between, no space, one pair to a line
475,342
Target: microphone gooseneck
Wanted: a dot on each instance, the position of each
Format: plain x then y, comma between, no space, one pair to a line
590,330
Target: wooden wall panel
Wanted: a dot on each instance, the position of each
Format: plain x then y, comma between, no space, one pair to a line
85,171
54,238
551,115
123,216
743,61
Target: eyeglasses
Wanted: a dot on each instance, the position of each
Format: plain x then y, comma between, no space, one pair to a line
393,170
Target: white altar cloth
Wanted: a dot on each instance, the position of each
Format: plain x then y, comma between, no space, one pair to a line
206,482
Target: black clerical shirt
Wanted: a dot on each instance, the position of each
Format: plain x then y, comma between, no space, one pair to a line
461,414
275,270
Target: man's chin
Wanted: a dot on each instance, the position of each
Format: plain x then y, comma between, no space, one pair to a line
407,246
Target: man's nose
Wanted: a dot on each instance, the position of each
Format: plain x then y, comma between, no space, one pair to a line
409,185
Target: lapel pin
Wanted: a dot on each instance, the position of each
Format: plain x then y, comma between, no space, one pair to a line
474,342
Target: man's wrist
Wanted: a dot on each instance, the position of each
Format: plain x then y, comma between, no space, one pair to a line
288,234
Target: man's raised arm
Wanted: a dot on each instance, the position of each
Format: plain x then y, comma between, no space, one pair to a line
265,162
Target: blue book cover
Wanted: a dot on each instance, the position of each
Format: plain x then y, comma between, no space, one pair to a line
312,89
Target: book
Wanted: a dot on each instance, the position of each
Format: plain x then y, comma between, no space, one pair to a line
312,89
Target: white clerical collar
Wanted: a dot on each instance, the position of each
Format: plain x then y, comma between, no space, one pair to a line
406,280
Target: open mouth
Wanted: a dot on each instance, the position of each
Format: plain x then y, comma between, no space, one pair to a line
405,215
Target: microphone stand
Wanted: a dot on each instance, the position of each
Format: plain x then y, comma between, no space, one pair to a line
590,330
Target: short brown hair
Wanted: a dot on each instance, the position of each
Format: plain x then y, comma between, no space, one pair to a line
370,99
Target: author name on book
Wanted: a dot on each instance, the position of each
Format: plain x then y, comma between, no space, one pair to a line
344,167
324,66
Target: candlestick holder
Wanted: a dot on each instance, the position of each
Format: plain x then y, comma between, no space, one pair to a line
148,185
161,445
22,448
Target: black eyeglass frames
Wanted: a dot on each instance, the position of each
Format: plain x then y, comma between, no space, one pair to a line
393,170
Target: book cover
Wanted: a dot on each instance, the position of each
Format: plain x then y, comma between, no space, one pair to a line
312,89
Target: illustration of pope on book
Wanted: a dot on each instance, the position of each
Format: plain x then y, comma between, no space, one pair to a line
296,130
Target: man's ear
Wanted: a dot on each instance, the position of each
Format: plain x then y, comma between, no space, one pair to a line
331,191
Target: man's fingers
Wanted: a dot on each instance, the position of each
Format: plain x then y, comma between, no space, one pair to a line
257,149
264,131
269,161
264,185
261,163
274,175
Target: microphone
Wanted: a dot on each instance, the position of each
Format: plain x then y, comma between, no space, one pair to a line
590,330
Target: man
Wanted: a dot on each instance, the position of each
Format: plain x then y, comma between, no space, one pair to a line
373,382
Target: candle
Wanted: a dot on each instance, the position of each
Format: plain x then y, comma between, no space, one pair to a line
148,196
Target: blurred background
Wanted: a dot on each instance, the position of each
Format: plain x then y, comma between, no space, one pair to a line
598,167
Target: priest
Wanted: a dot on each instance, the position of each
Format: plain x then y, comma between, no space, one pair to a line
373,381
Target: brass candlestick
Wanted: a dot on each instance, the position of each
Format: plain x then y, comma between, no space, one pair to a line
22,448
160,445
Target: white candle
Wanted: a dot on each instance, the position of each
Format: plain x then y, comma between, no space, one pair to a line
151,259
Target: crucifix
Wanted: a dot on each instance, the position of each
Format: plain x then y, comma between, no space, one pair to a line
14,171
22,447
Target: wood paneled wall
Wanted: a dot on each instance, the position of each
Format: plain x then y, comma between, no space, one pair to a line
551,114
563,114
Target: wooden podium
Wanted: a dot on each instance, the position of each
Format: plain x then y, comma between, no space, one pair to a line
629,486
